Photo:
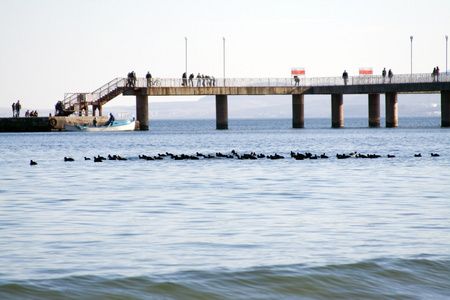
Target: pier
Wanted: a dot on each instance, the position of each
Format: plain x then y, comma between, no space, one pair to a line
372,86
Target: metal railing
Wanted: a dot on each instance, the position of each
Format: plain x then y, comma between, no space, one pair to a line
309,82
70,99
121,83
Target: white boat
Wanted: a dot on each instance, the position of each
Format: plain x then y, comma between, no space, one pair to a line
114,126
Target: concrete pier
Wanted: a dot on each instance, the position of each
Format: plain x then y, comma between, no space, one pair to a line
142,111
337,111
445,109
373,86
221,112
298,111
374,110
391,110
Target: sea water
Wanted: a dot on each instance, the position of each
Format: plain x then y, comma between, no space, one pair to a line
227,228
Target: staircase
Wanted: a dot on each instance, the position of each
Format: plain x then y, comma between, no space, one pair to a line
76,102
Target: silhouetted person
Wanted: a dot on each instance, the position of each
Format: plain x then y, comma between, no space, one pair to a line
18,107
390,75
184,77
384,75
149,79
111,119
345,77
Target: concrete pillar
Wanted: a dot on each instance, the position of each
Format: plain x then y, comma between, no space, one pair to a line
391,110
337,111
142,111
221,111
374,110
298,115
445,108
100,110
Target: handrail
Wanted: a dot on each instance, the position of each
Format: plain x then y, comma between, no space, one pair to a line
309,82
71,98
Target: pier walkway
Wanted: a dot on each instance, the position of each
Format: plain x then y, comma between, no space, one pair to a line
221,88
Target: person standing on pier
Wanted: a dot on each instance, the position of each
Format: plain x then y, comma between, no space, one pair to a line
149,79
384,75
390,75
14,109
199,79
184,77
345,77
191,79
437,74
18,107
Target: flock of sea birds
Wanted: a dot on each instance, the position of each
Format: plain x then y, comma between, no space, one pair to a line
234,155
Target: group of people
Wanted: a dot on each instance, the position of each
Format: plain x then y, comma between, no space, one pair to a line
16,107
33,113
390,74
435,74
202,80
131,79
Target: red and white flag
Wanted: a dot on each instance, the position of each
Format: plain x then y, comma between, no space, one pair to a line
365,71
298,71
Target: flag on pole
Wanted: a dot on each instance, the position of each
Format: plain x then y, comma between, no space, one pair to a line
365,71
298,71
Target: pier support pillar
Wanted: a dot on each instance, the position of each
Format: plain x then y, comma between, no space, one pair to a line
391,110
298,115
445,108
374,110
221,111
99,107
142,111
337,111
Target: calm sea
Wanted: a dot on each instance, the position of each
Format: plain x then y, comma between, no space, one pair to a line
227,228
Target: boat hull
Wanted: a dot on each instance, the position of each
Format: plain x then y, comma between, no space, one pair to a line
115,126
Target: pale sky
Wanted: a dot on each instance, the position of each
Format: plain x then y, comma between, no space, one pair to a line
52,47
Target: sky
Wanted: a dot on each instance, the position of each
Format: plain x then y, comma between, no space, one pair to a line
52,47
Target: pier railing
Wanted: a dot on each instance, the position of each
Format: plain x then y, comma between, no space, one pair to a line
302,81
118,85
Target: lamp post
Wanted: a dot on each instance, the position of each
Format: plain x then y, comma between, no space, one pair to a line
411,37
185,50
446,54
224,61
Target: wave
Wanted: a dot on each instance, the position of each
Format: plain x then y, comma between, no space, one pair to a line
374,279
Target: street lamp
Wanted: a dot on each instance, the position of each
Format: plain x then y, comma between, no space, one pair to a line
224,61
446,54
411,37
185,49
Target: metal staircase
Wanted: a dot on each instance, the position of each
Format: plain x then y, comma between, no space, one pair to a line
76,102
